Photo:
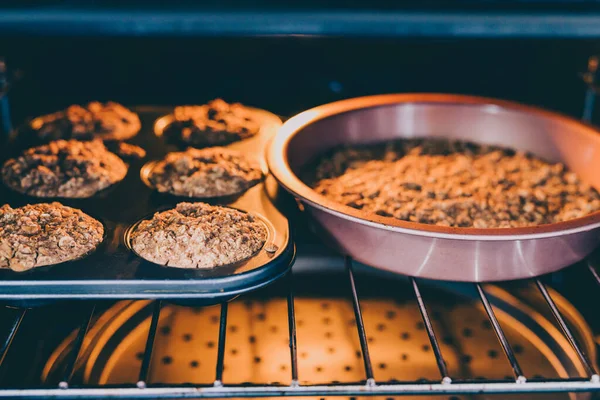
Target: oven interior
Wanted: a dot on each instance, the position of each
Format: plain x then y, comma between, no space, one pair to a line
333,328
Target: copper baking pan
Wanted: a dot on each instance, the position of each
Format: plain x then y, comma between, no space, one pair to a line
458,254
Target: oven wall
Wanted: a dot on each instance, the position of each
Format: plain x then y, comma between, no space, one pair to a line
290,74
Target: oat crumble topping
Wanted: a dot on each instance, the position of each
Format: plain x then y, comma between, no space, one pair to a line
45,234
452,183
214,124
107,121
70,169
130,151
198,235
205,173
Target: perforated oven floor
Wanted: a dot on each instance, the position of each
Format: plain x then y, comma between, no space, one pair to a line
257,346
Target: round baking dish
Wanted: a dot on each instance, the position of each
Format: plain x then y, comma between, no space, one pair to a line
429,251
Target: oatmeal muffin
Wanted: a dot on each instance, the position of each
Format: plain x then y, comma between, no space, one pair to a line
69,169
211,172
45,234
455,184
198,235
106,121
213,124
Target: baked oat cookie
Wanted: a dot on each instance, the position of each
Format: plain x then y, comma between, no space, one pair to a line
45,234
96,120
214,124
198,235
64,168
455,184
205,173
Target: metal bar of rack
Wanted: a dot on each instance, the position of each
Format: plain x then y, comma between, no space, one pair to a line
360,326
435,345
14,327
77,344
145,368
594,273
508,351
292,330
221,349
587,364
449,386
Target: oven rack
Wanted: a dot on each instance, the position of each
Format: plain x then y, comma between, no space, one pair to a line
446,385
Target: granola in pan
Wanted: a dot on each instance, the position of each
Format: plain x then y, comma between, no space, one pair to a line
106,121
453,183
214,124
198,235
45,234
205,173
69,169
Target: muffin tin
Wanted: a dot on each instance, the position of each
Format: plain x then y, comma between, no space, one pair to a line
116,272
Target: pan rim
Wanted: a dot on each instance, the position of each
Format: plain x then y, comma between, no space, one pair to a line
277,158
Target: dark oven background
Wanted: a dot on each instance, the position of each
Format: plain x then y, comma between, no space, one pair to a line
289,74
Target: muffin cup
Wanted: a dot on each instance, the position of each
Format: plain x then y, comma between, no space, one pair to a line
146,170
35,124
224,283
51,271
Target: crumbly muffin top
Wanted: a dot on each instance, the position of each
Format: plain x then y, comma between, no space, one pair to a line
45,234
198,235
205,173
69,169
106,121
452,183
213,124
129,151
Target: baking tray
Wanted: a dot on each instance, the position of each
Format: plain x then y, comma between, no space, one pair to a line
117,273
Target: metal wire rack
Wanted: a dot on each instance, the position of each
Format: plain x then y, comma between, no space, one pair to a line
368,387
